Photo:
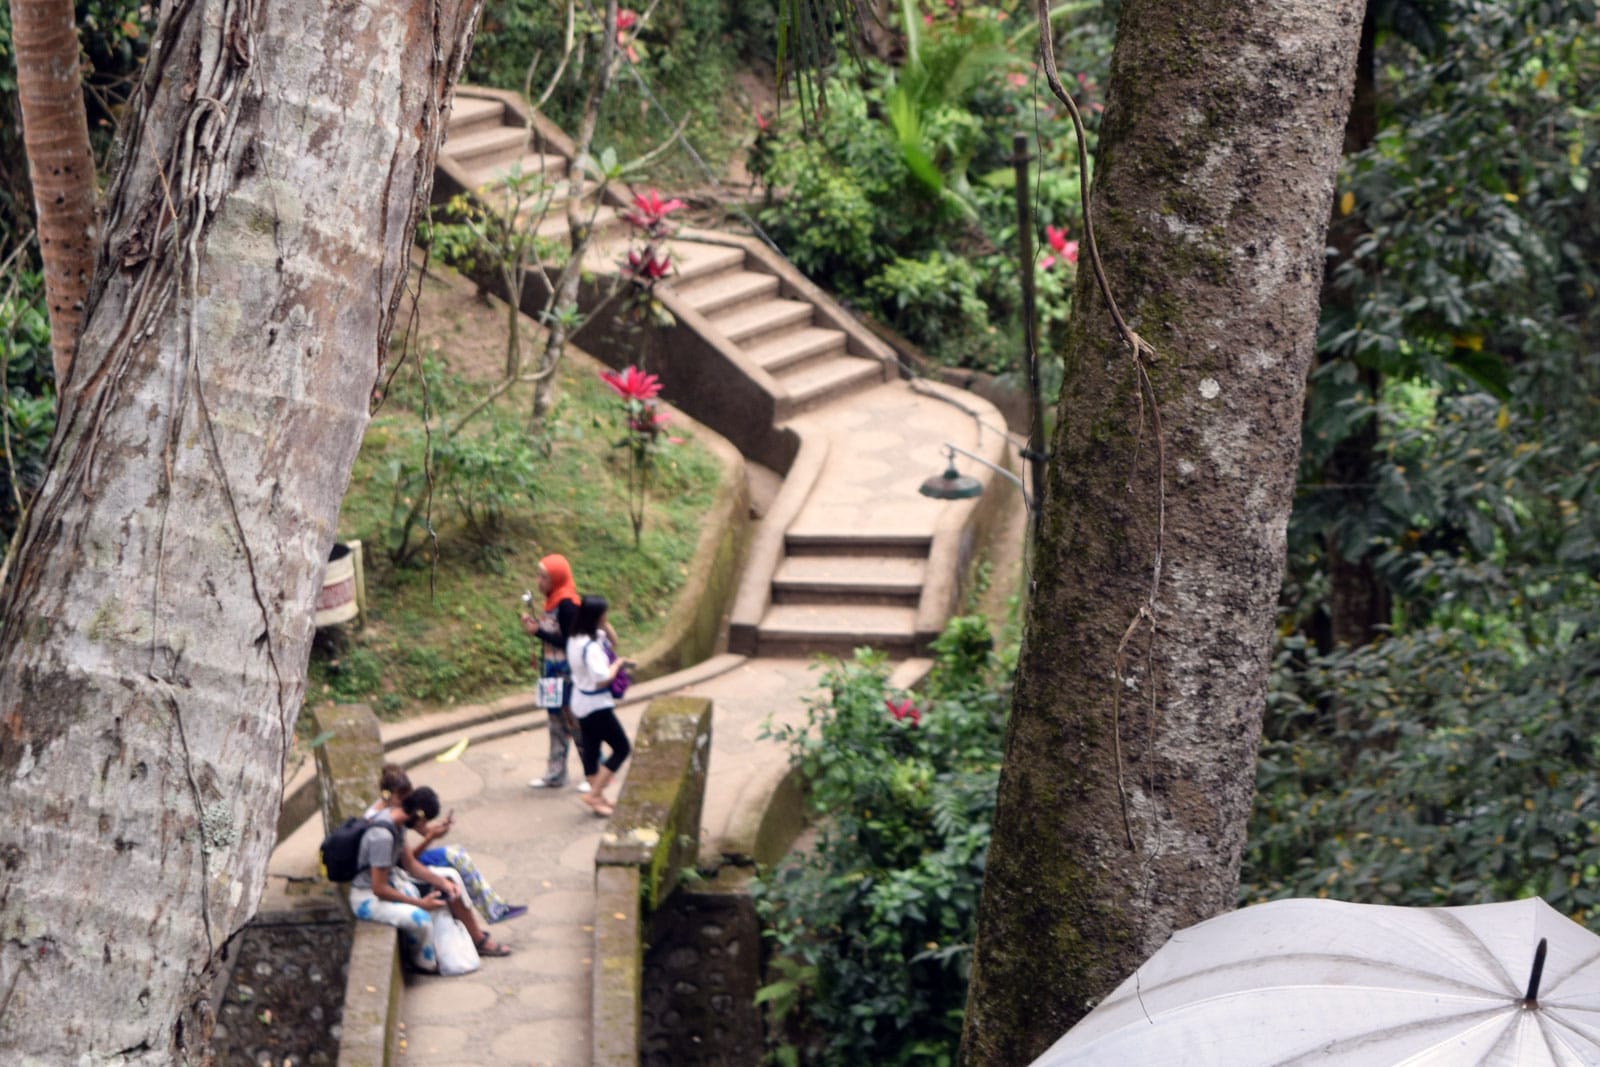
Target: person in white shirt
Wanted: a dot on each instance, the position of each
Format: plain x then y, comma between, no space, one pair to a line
594,666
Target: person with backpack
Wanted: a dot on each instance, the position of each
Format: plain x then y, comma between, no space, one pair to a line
395,783
392,887
594,668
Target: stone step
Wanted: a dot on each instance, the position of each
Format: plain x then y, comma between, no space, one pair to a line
712,293
856,542
789,349
807,629
551,169
481,148
699,259
813,384
849,580
744,324
470,112
554,227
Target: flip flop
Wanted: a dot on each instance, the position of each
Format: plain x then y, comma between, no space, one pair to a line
492,948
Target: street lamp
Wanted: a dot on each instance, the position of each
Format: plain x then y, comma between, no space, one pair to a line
953,485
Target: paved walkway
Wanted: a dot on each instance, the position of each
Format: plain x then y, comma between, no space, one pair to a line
538,849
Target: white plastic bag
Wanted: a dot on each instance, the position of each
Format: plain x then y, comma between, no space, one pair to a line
452,945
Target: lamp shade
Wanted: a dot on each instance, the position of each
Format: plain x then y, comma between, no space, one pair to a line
951,485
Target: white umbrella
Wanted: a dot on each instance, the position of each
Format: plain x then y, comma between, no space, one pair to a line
1324,982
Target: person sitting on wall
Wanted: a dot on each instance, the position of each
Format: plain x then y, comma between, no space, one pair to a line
388,886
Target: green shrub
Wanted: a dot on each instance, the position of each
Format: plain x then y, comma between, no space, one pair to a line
872,928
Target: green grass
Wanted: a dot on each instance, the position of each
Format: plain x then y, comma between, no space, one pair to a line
445,632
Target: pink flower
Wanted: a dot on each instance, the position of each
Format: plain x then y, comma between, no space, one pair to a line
761,122
903,710
1059,246
650,211
626,20
1017,78
633,383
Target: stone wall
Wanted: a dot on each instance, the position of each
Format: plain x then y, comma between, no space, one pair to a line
701,973
283,1002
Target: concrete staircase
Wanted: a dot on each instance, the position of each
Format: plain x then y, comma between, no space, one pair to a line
774,364
834,592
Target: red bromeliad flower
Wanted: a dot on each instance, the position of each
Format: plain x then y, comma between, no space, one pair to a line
650,211
626,19
633,383
903,710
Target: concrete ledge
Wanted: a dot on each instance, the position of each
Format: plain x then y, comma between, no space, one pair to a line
371,997
618,965
766,546
656,826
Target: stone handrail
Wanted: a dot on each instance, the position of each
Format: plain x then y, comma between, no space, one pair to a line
652,840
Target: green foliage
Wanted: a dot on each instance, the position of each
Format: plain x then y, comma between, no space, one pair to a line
686,53
29,398
445,629
901,194
872,928
462,483
1471,233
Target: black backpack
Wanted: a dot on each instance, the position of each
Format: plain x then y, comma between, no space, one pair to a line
342,848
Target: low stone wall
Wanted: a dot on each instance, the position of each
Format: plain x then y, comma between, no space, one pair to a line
653,838
349,762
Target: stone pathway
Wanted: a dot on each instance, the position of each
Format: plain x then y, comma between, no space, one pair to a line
851,560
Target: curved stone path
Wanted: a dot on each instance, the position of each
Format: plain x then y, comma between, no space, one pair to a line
538,848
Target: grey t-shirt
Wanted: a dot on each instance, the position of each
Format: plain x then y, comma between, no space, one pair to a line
381,846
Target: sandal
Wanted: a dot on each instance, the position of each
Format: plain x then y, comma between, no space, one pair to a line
598,807
486,947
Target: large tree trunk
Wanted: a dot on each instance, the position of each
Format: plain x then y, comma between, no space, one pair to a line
157,621
55,133
1130,758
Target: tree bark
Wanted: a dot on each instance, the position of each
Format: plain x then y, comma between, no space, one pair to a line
156,625
1130,756
55,134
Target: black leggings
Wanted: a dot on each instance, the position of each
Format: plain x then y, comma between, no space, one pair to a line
597,726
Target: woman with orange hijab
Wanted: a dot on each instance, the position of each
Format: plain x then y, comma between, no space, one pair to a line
552,629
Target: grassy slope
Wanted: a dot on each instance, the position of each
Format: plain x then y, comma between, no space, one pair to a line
449,633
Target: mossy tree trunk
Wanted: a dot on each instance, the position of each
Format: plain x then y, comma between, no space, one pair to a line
1130,758
155,627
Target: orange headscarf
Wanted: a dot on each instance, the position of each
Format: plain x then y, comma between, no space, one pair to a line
561,585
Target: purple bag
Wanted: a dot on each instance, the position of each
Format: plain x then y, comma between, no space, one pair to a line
619,684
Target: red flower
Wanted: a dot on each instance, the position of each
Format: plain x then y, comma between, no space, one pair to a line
1067,250
647,267
761,122
626,19
905,709
650,211
633,383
